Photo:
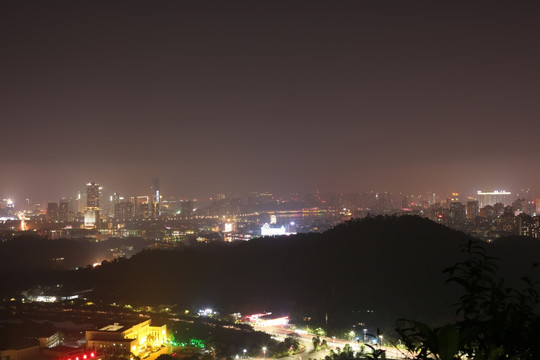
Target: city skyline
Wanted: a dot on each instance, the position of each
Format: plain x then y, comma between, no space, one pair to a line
268,96
154,196
106,192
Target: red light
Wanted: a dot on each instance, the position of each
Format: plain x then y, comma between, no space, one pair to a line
77,358
84,356
91,354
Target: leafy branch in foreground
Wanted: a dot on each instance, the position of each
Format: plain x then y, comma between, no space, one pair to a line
495,321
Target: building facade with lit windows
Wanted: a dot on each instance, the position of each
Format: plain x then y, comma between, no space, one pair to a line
494,197
135,339
91,214
473,209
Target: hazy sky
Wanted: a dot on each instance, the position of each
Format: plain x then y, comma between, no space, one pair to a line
227,96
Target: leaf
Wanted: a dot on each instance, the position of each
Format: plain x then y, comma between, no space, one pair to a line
429,335
448,340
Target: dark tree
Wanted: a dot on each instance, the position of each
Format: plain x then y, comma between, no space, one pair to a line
494,321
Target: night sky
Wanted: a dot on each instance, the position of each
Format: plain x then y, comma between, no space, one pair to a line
277,96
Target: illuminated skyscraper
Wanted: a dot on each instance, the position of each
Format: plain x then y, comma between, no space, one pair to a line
80,202
92,195
91,214
156,198
114,199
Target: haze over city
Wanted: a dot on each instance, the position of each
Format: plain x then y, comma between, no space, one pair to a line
252,180
268,96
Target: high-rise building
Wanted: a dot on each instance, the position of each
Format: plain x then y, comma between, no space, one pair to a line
92,195
156,198
114,199
456,212
142,210
472,209
7,208
91,214
63,210
186,209
494,197
80,202
123,211
488,212
52,212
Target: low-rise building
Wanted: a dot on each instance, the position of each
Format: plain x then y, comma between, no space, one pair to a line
125,339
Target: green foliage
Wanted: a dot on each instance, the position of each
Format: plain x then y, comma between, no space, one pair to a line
287,347
324,344
348,354
375,353
316,341
227,341
495,321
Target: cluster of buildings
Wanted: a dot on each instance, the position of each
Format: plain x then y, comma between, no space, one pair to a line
492,214
485,214
137,339
90,208
92,214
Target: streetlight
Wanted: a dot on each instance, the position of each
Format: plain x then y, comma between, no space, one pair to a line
244,351
264,352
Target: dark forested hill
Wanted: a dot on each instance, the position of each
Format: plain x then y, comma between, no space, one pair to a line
25,260
373,270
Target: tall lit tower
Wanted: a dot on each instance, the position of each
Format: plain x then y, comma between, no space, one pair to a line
156,198
80,202
114,199
92,195
91,214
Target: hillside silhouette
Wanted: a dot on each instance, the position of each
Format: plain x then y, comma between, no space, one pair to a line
29,259
372,271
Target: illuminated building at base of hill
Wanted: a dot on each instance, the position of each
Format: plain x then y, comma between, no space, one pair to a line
266,319
274,230
135,339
